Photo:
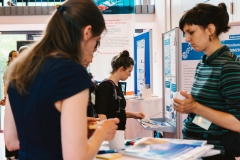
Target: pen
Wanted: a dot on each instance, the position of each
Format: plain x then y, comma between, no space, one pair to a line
131,142
109,151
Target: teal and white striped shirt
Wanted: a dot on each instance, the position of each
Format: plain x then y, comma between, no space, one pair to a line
217,86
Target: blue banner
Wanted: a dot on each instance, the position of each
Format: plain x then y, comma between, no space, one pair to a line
116,6
188,53
233,45
234,36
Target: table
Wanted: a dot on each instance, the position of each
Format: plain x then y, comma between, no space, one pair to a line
151,107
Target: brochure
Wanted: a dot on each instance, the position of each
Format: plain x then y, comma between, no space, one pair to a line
147,123
170,149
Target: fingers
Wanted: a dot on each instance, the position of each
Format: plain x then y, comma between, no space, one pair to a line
185,94
92,119
116,120
110,127
142,115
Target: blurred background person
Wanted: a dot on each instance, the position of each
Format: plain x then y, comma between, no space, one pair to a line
110,101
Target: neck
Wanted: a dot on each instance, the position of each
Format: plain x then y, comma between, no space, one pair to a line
214,45
114,78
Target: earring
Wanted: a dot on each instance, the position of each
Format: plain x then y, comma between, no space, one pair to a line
210,38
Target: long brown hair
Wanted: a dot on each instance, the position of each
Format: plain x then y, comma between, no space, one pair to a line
63,35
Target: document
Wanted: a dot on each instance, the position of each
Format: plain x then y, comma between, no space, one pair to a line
168,149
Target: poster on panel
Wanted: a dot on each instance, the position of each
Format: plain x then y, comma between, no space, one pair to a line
116,38
142,68
170,74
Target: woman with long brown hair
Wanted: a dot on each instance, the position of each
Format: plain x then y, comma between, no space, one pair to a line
48,89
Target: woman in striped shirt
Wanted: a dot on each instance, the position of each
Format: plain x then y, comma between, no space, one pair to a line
215,94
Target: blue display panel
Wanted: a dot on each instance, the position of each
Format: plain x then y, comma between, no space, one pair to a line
142,62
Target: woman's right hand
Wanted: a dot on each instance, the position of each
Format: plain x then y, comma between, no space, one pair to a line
108,127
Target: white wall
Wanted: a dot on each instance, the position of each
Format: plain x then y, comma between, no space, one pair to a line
158,28
179,7
23,23
142,21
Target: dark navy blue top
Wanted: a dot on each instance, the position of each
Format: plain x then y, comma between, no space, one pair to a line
37,120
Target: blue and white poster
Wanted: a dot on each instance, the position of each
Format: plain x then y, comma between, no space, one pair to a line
142,59
190,59
233,45
116,6
170,88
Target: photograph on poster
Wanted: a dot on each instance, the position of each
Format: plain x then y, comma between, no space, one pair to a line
115,6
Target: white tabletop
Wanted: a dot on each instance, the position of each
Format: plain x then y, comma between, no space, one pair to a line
148,106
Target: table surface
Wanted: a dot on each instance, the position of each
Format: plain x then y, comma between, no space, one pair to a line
151,107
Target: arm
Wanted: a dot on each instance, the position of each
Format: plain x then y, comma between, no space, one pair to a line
102,117
222,119
75,144
5,90
10,131
135,115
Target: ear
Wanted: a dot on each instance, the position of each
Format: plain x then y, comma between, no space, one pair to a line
211,29
121,69
87,33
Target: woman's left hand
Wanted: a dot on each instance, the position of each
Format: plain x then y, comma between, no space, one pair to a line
185,106
2,102
138,115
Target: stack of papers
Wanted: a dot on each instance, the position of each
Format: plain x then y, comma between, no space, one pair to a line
170,149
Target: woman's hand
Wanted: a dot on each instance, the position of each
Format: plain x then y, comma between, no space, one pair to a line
2,102
108,127
138,115
91,125
92,119
188,105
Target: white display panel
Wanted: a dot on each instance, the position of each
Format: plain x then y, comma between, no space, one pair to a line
170,58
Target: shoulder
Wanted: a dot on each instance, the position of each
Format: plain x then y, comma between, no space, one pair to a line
62,67
106,86
231,60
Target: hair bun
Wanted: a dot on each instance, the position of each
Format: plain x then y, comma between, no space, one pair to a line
222,6
225,16
124,53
